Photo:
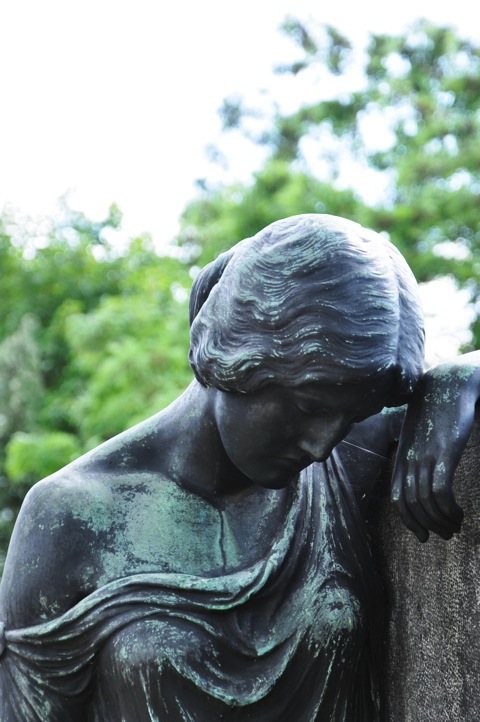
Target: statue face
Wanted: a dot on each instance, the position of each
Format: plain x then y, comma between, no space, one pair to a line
272,434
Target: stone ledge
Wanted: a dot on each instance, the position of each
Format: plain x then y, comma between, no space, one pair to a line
432,647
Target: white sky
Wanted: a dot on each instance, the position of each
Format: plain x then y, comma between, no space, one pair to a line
116,100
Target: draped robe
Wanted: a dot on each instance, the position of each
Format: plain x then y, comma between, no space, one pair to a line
293,636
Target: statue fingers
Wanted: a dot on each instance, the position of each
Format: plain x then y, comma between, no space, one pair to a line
442,489
418,498
444,520
399,500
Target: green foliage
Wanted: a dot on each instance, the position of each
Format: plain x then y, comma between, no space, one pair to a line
404,114
211,224
21,387
93,338
33,456
424,87
133,352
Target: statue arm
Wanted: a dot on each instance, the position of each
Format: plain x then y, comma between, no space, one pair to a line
436,429
39,583
367,451
40,579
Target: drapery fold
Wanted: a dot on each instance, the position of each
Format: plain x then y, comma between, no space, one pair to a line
291,636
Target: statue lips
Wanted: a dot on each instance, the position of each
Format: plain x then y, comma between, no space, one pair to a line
297,463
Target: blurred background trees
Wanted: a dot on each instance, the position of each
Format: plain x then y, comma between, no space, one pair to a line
93,340
93,331
394,144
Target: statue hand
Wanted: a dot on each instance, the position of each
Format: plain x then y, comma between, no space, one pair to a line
435,431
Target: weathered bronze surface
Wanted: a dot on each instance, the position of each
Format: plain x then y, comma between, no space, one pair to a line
213,563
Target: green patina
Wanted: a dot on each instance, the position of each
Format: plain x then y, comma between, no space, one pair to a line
174,526
430,428
460,368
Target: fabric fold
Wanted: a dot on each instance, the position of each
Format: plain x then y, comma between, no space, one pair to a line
294,630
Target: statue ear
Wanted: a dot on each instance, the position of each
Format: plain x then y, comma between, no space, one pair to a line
205,281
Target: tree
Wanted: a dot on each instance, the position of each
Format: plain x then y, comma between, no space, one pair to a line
223,216
402,117
93,338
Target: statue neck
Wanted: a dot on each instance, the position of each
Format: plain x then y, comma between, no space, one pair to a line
191,452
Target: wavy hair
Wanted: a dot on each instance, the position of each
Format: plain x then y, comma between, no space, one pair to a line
309,298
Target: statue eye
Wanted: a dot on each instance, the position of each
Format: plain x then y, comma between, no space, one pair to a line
311,409
309,404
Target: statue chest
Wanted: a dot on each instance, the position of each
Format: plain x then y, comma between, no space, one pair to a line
152,525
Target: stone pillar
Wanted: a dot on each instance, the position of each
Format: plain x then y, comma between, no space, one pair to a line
432,647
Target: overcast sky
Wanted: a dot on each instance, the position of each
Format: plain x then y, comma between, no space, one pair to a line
116,100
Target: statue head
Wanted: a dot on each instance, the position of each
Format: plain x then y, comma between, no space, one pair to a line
311,298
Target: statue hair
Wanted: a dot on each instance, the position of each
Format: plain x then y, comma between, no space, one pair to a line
311,298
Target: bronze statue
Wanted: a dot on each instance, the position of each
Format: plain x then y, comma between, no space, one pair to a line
212,563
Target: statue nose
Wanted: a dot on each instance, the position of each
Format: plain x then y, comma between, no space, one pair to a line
319,443
316,449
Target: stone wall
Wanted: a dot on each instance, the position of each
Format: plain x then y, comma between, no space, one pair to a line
432,648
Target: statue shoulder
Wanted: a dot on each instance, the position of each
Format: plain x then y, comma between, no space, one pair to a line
51,549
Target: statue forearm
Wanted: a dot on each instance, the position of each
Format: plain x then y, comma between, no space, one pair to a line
437,426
